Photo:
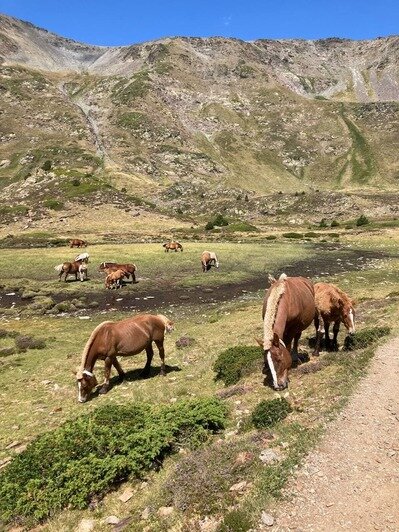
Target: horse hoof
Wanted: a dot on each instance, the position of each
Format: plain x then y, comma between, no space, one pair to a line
103,390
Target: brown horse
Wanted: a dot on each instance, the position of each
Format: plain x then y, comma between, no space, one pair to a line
130,269
173,245
70,268
77,243
332,305
209,259
125,338
114,278
288,309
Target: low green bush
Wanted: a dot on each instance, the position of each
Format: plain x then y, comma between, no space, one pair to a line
268,413
53,204
87,456
235,521
365,337
237,361
293,235
25,342
362,220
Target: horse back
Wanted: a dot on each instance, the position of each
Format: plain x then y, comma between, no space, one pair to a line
132,335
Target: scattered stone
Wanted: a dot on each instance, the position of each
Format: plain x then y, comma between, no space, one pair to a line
145,514
267,519
86,525
13,444
165,511
240,486
126,495
111,520
184,341
46,382
244,457
268,456
5,461
183,297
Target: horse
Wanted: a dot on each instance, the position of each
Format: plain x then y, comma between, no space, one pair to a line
125,338
173,245
114,278
130,269
82,257
70,268
288,309
332,305
77,243
209,259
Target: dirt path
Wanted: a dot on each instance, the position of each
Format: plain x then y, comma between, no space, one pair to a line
351,482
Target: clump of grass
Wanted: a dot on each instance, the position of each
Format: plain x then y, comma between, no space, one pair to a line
362,220
7,351
53,204
235,362
293,235
268,413
87,456
365,337
235,521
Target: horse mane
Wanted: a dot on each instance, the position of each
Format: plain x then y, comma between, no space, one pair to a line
276,291
87,348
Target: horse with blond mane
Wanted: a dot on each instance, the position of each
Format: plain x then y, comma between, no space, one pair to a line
332,305
288,309
173,245
125,338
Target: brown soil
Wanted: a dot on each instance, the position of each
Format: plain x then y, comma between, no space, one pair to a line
351,481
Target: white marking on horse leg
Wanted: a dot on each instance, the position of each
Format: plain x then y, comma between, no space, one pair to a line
352,327
80,398
272,369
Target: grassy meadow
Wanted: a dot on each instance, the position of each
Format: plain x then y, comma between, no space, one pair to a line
38,391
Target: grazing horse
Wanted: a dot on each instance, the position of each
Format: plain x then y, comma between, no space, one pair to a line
173,245
82,257
288,309
209,259
125,338
77,243
70,268
114,278
332,305
130,269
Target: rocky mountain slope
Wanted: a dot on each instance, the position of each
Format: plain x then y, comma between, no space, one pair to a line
185,117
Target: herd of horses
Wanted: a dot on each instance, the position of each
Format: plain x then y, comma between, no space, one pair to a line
290,305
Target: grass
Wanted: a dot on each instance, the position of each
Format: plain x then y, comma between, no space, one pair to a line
39,394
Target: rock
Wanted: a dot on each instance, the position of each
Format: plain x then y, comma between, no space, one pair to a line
267,519
243,457
5,461
145,514
165,511
240,486
13,444
184,341
126,495
111,520
267,456
4,163
86,525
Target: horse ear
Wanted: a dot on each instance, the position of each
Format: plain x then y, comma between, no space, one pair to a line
271,279
276,340
259,341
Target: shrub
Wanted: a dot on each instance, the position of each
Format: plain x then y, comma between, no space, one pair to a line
235,362
220,220
87,456
53,204
209,226
334,223
270,237
268,413
7,351
235,521
362,220
293,235
365,337
323,223
46,166
75,182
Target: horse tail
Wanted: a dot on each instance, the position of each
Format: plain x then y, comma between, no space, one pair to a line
59,268
86,349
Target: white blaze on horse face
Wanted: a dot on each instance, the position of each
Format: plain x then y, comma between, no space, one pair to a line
352,321
272,369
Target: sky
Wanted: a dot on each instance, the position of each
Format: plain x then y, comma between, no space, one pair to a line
123,22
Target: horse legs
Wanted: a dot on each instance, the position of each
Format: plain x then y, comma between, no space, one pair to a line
118,367
159,344
150,353
319,325
335,331
327,335
107,372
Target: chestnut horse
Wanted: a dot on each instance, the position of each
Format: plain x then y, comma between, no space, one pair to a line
332,305
288,309
125,338
114,278
209,259
173,245
70,268
77,243
130,269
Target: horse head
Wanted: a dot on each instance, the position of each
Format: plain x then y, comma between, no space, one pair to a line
86,383
348,317
277,362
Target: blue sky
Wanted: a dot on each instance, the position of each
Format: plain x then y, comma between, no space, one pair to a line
120,22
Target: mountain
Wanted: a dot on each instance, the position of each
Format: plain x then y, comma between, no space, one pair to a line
176,119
